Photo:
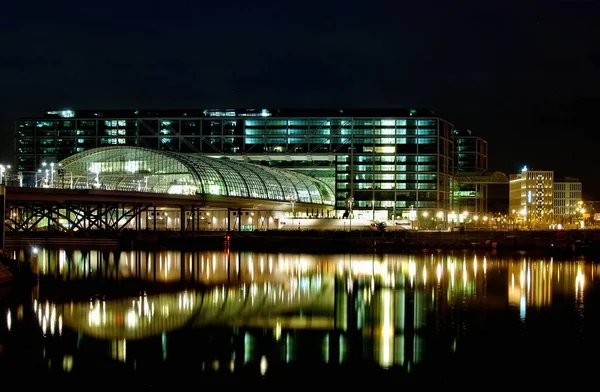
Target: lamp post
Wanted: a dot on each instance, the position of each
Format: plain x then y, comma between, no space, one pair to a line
4,174
52,174
440,217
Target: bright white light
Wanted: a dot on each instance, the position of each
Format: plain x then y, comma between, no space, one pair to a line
95,167
263,365
131,319
63,113
132,166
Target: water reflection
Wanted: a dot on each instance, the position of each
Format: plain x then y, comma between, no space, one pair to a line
265,310
149,315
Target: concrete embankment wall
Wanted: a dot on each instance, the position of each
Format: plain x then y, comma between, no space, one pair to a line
398,241
314,241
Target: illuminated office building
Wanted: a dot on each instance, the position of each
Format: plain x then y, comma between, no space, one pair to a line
531,196
568,200
380,163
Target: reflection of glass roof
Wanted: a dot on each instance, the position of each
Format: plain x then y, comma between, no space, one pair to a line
151,315
144,170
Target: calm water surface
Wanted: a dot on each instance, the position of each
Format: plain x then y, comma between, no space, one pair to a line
469,320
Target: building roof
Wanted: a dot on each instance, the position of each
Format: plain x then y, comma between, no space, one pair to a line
139,169
239,112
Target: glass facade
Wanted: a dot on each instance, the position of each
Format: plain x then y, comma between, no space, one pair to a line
470,157
382,164
146,170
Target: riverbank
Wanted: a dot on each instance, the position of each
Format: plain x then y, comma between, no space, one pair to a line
315,241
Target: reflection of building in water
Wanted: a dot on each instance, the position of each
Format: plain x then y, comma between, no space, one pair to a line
378,306
281,308
530,284
210,267
538,283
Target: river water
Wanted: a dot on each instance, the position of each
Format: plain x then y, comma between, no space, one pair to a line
458,319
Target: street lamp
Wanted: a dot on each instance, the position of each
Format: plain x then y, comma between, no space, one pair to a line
52,174
440,217
4,174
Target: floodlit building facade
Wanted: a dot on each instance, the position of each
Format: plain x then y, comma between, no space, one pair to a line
531,196
380,164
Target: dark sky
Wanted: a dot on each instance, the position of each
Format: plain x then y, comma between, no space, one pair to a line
523,74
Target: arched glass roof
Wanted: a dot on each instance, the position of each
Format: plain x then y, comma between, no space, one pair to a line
144,170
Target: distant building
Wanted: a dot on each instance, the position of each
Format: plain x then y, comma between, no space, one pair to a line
531,196
470,158
568,200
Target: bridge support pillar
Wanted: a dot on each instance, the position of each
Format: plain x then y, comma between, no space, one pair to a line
228,220
154,218
193,216
182,219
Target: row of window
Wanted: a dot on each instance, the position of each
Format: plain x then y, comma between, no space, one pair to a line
574,194
338,140
319,123
233,140
209,132
567,203
342,132
388,168
388,186
388,177
389,204
355,122
388,158
563,186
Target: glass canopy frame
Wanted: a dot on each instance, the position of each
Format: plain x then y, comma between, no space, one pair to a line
121,168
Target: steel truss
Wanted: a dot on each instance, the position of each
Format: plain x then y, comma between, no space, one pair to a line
73,216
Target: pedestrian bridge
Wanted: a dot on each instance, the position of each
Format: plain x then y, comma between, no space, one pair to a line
72,210
150,315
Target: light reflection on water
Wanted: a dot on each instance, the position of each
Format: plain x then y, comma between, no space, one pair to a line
391,310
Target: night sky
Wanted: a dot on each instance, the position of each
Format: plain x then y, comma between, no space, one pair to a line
523,74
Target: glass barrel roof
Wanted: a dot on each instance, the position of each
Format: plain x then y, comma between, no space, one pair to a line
145,170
